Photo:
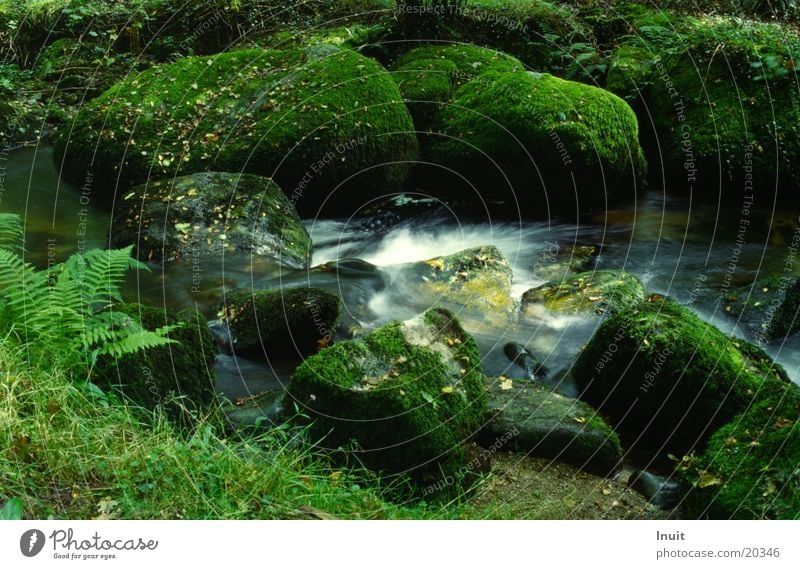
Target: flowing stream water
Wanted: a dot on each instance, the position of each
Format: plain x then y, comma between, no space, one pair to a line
675,247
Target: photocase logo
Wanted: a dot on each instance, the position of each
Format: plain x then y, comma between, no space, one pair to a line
31,542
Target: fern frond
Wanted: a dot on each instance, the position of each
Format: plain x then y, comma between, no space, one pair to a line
11,232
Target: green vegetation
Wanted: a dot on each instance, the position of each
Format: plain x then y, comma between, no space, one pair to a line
309,118
211,213
178,377
430,74
749,469
667,377
60,314
531,133
410,394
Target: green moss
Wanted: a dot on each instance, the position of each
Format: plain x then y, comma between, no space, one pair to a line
749,469
156,377
713,105
546,424
211,213
667,377
535,133
601,292
280,323
630,71
428,75
281,114
410,394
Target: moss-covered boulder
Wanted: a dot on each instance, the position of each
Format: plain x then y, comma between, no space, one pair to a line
750,468
666,377
281,323
600,292
211,213
713,87
314,120
478,278
538,141
546,424
177,378
409,394
427,76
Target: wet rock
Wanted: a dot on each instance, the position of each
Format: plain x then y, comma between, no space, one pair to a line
668,378
177,378
409,394
757,307
255,414
478,278
518,354
539,422
600,292
282,323
659,491
557,262
211,213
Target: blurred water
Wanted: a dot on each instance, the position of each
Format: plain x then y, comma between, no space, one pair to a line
677,248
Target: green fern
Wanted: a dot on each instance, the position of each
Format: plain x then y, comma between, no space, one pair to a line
63,312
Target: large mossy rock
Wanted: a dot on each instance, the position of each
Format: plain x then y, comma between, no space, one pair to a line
177,378
710,92
668,378
535,140
428,76
314,120
409,394
600,292
279,323
211,213
546,424
750,468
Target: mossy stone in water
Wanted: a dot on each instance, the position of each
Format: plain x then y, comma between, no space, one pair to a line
282,323
409,394
211,213
600,292
314,120
750,468
153,378
541,142
668,378
546,424
478,278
